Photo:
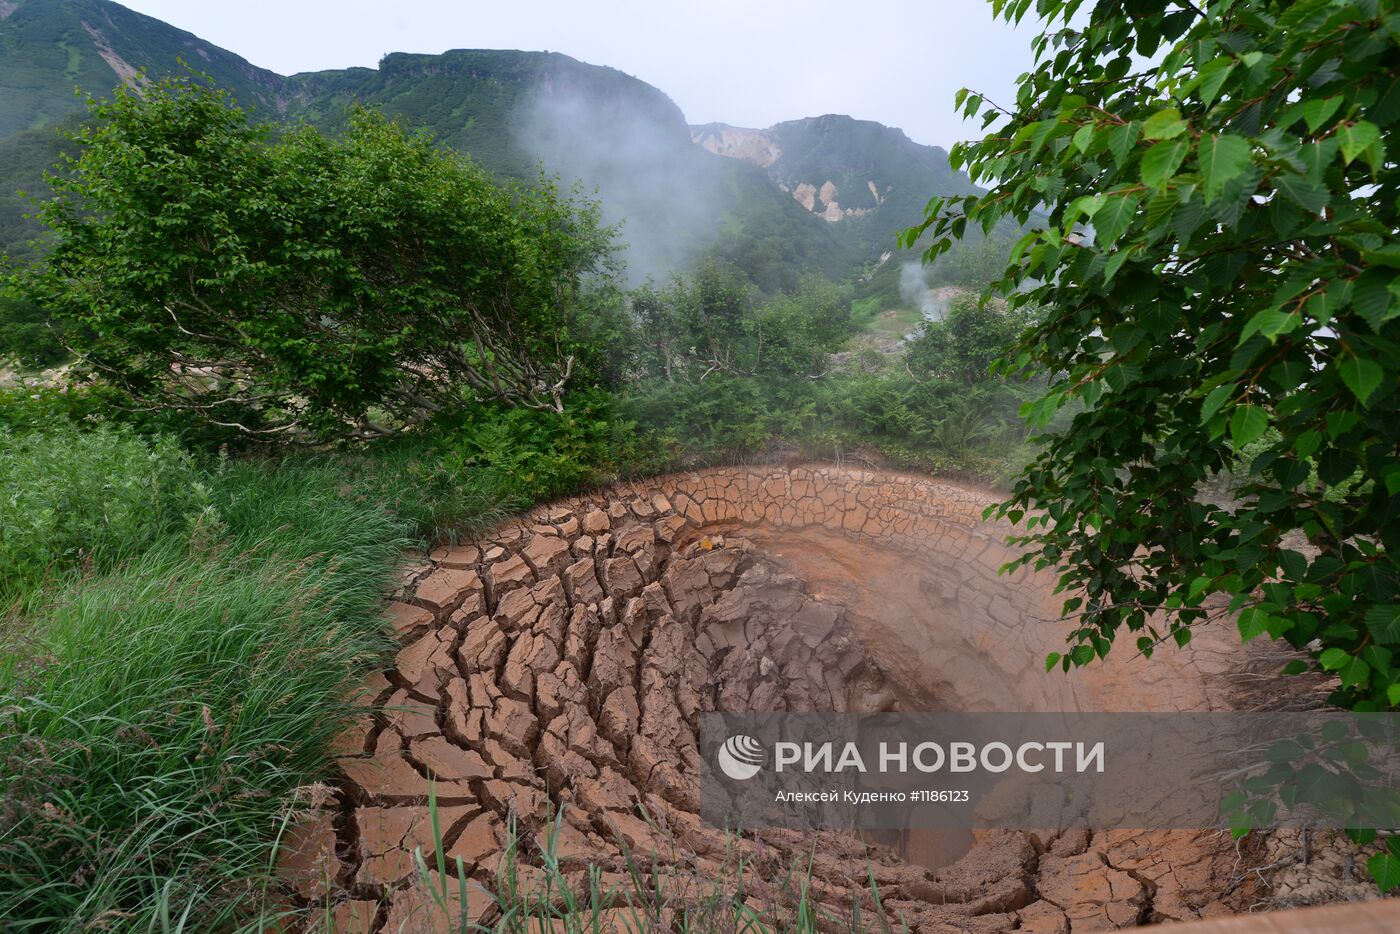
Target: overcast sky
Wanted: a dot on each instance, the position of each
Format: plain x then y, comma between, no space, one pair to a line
744,62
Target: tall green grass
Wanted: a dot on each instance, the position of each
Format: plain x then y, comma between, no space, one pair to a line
154,719
180,642
70,498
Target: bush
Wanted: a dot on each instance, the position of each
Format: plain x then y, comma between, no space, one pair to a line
973,335
88,498
935,425
35,408
529,456
472,470
714,322
307,287
724,417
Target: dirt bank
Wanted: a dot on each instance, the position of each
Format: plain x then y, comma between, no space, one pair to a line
557,669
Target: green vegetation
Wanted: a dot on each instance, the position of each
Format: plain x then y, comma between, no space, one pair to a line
87,499
726,374
24,158
395,273
157,716
52,47
884,417
715,323
490,460
1235,313
25,336
965,343
472,98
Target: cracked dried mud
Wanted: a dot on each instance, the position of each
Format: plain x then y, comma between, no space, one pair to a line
557,667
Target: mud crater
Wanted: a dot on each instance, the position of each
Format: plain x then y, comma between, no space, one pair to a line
552,676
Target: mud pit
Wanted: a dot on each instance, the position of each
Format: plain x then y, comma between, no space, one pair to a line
559,667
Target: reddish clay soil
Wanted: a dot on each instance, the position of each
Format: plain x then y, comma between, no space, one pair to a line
558,667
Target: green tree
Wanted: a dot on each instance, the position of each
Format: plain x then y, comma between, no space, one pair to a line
1235,312
965,342
307,287
713,322
974,263
792,333
24,333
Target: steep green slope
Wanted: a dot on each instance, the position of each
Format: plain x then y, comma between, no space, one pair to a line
49,48
480,100
24,157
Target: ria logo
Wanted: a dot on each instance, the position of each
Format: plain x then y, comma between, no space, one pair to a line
741,757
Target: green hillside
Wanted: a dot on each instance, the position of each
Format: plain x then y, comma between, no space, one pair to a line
856,154
23,160
514,112
51,48
868,180
473,99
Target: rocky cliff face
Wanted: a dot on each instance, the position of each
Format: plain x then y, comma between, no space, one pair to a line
872,177
762,148
737,142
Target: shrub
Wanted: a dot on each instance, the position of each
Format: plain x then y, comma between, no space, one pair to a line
34,408
714,323
75,498
528,456
473,469
307,287
973,335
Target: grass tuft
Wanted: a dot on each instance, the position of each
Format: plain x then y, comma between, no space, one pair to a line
162,712
533,892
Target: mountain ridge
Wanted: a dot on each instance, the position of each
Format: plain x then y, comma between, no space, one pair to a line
513,112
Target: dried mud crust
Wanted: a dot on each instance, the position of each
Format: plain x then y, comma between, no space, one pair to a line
558,667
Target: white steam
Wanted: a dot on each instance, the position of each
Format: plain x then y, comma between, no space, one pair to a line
914,289
647,174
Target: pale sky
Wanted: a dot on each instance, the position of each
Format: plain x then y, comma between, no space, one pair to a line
748,63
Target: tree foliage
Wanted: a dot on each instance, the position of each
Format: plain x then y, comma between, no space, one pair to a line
1234,312
714,322
973,263
307,287
24,333
972,335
